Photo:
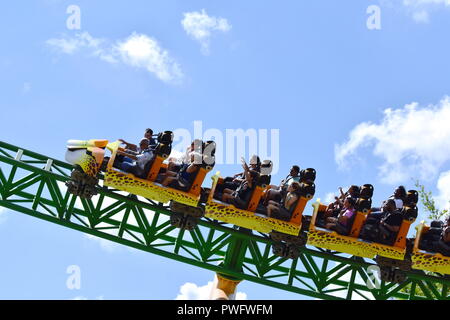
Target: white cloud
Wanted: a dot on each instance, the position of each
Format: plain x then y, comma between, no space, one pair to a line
420,9
443,185
141,51
200,27
138,50
412,142
190,291
72,45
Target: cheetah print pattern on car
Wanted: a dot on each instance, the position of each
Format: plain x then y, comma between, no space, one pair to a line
129,183
89,165
247,219
434,262
334,241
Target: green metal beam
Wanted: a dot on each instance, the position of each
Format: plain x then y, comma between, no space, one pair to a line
33,184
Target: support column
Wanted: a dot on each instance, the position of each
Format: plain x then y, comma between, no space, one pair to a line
224,288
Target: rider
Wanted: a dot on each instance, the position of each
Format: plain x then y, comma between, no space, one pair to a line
390,223
175,163
277,193
443,245
389,206
398,197
240,196
232,183
135,163
148,134
185,176
283,211
334,208
344,217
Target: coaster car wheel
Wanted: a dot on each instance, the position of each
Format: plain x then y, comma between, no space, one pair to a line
181,221
73,187
405,265
278,249
392,275
176,219
190,223
195,212
81,184
77,175
299,240
292,252
398,276
89,192
386,274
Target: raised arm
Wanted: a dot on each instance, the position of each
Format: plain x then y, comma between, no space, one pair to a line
342,192
248,177
128,145
129,155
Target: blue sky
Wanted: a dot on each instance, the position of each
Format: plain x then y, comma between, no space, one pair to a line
311,69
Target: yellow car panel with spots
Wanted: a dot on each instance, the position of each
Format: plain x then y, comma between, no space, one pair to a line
145,188
247,219
129,183
89,163
331,240
228,213
334,241
429,261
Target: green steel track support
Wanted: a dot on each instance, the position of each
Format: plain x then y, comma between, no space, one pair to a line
33,184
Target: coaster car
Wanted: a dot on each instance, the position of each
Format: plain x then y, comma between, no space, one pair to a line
252,217
88,157
429,252
347,240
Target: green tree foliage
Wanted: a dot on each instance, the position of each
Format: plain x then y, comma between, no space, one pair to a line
429,204
434,213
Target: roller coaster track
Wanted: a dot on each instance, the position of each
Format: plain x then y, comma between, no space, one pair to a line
33,184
